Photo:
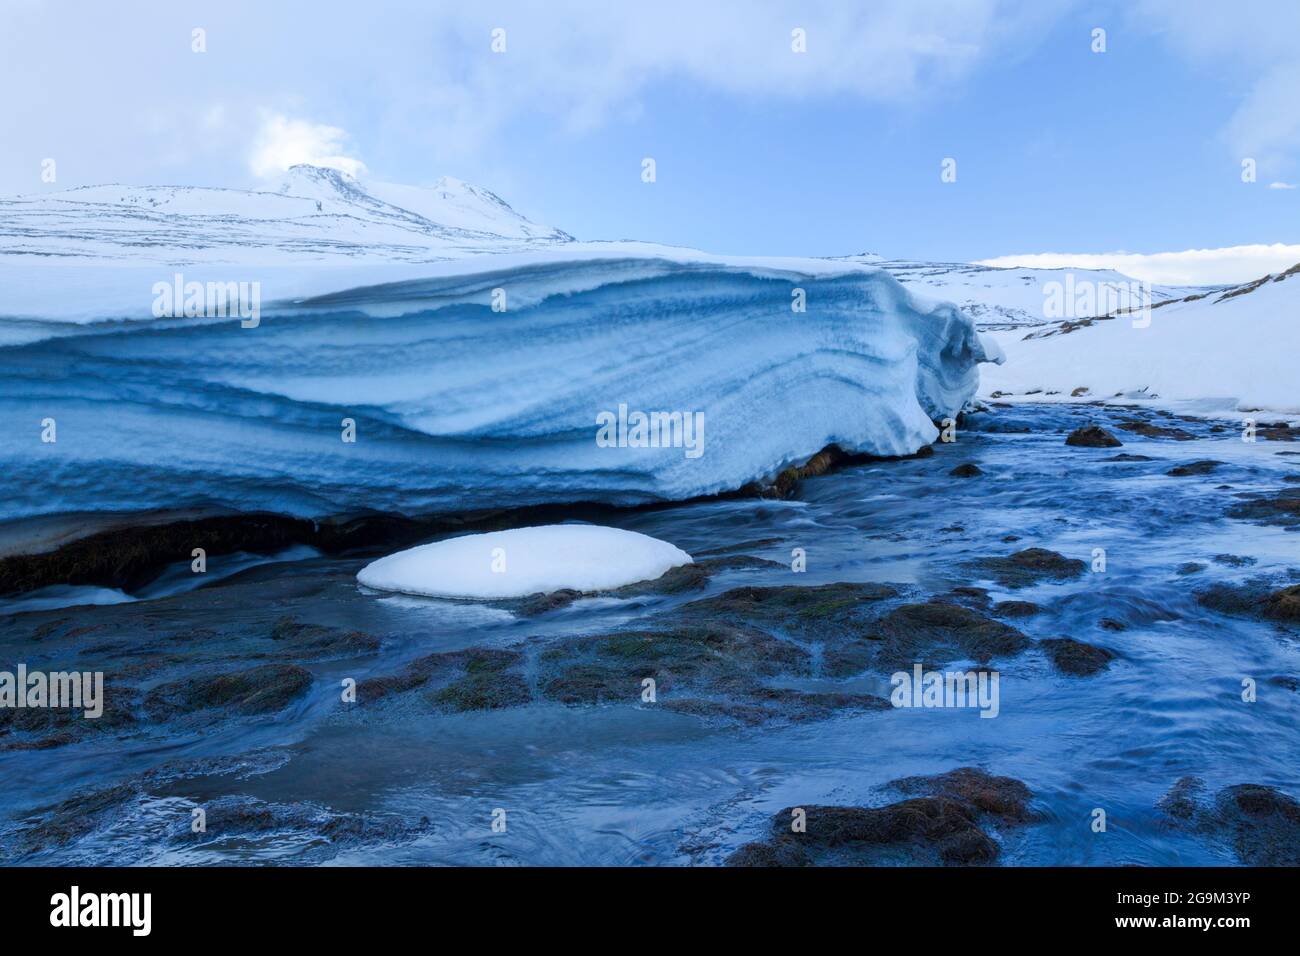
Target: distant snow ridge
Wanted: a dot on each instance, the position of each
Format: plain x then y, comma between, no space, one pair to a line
312,214
457,406
1001,298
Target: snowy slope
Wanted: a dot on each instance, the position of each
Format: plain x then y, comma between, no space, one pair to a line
1000,298
1232,349
186,225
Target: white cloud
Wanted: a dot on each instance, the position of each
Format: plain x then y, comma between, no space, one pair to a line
436,91
1189,267
1256,41
1281,185
282,142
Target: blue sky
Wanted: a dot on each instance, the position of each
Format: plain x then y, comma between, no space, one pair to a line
759,150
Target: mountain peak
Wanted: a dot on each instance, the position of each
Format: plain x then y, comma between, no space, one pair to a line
318,182
449,202
311,213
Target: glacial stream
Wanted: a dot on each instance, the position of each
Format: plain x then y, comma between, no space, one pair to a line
630,783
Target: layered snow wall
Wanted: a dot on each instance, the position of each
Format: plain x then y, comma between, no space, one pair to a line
618,380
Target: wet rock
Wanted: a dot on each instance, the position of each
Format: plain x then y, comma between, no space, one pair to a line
748,714
43,728
233,819
42,631
258,690
1277,431
786,483
968,470
1203,467
808,613
936,632
536,604
454,681
1284,605
1016,609
1076,657
1182,802
943,827
129,558
1190,567
729,650
1264,824
239,816
1003,797
1125,456
679,580
1150,430
778,851
59,824
1031,566
1110,624
972,595
1254,600
1282,508
720,658
285,628
483,691
1289,681
1079,392
1261,824
694,577
1234,560
299,641
920,830
374,689
1092,436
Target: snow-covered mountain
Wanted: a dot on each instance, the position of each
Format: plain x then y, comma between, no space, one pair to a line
1226,349
313,214
1000,298
1217,349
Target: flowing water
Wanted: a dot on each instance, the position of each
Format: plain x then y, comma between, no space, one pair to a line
633,784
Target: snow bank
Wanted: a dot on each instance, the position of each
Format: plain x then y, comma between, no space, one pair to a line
457,405
506,564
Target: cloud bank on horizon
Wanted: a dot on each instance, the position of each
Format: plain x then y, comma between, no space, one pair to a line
840,145
1189,267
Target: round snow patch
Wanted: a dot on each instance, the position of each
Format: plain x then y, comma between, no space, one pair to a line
507,564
